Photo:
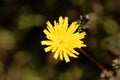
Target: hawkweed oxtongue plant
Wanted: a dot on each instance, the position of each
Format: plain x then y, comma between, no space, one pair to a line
62,39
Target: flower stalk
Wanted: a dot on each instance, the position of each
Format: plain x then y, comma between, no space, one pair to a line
93,60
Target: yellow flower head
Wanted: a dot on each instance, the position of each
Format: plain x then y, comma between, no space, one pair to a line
63,39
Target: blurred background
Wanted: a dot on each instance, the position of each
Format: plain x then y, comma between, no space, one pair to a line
22,56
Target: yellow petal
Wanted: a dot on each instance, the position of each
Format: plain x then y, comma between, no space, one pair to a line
54,48
65,24
56,55
56,29
72,50
50,27
66,57
72,28
60,20
61,56
46,42
48,48
55,23
70,53
46,31
81,35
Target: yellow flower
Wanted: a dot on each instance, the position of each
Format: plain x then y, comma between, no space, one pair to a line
63,39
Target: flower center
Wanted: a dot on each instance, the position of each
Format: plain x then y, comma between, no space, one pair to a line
61,41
